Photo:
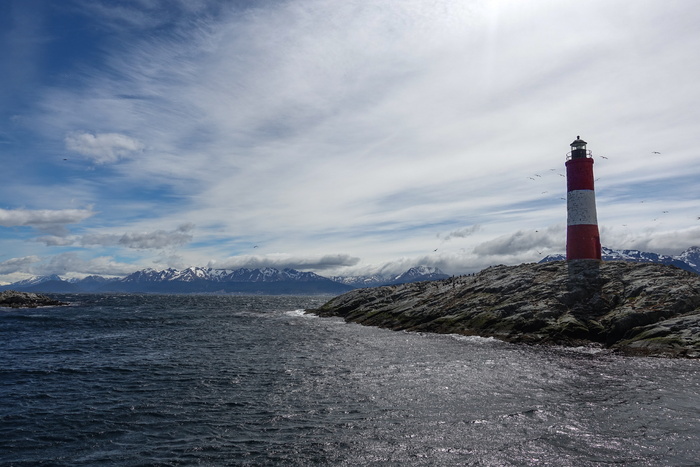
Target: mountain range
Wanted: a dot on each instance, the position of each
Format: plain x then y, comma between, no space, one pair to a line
271,281
688,260
264,281
417,274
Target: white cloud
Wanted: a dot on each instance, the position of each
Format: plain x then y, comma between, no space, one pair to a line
143,240
146,14
157,239
172,261
57,240
62,264
281,261
102,148
658,240
23,264
72,262
42,217
521,241
461,233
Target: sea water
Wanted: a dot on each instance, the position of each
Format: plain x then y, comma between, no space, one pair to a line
249,380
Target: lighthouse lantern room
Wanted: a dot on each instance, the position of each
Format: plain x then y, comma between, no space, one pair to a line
582,237
578,148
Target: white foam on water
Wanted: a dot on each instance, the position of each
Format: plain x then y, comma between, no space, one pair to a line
300,312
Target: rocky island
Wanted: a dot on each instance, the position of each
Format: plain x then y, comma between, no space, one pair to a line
14,299
635,308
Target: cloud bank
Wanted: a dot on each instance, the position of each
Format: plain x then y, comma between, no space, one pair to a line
461,233
64,264
42,217
282,261
136,240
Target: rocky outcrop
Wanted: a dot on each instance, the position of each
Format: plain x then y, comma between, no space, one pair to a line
636,308
13,299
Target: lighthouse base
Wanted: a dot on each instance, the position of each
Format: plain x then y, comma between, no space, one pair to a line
582,242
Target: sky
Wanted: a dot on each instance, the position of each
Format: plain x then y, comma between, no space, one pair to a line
342,137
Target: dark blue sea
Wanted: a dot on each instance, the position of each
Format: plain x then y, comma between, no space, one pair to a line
230,380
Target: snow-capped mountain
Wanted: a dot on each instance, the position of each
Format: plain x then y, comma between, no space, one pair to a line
193,280
37,280
273,281
362,281
208,280
251,281
416,274
688,260
90,283
691,256
222,275
166,275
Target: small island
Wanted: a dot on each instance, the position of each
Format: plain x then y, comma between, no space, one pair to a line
14,299
634,308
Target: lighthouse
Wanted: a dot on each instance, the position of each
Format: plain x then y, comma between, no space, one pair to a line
582,237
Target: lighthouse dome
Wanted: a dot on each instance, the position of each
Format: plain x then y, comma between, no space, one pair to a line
578,142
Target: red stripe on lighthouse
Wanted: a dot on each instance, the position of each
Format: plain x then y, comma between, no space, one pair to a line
582,242
579,174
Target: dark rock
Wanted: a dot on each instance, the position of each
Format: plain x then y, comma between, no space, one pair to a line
636,308
14,299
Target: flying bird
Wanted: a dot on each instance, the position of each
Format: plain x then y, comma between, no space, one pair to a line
655,152
603,157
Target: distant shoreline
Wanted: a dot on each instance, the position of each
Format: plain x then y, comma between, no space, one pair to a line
14,299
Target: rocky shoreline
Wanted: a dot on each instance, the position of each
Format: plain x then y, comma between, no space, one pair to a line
634,308
14,299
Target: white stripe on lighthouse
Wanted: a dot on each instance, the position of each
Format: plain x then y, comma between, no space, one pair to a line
580,207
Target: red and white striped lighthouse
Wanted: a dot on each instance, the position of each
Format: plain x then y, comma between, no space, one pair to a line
582,237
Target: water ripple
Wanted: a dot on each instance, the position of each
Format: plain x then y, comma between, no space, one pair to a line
202,380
